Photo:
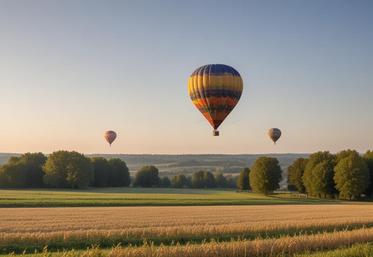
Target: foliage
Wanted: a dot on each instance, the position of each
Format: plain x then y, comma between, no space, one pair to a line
101,170
220,180
368,157
203,179
265,175
23,171
68,169
351,176
243,182
318,175
147,176
295,174
165,182
119,173
179,181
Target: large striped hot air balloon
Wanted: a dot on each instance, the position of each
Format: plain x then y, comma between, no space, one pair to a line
274,134
110,136
215,89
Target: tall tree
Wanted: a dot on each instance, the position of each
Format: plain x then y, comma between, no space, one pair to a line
243,182
265,175
147,176
295,174
220,180
179,181
318,175
24,171
119,173
101,170
351,176
368,157
68,169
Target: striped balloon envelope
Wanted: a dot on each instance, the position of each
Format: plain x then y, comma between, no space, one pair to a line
215,90
274,134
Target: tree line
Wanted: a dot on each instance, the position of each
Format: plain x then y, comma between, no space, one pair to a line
64,169
345,175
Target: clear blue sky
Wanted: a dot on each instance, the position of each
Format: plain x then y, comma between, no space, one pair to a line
71,69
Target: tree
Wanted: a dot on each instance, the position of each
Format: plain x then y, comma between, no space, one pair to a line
179,181
119,175
351,176
101,170
295,174
343,154
165,182
147,176
265,175
68,169
243,182
231,181
318,175
197,179
220,180
209,179
368,157
24,171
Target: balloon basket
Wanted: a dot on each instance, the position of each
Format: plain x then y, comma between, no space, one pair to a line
215,133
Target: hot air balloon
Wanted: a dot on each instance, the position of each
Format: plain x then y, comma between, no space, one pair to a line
274,134
110,136
215,89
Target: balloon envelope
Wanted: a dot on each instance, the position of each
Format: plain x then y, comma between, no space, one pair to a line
274,134
215,90
110,136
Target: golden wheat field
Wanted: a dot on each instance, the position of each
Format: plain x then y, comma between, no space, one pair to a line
196,230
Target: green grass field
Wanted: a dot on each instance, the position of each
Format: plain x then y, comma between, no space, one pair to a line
142,197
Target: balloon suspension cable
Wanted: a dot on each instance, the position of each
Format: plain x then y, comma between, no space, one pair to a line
215,133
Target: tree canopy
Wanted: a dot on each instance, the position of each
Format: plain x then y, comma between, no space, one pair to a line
243,182
265,175
295,174
68,169
147,176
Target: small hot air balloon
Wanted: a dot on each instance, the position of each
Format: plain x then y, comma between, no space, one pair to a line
110,136
274,134
215,90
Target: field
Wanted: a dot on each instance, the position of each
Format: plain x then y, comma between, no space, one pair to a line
141,197
267,230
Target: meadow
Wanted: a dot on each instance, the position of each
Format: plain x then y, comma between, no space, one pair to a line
194,231
141,197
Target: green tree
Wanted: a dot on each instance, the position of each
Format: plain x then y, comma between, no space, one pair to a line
23,171
220,180
318,175
209,179
147,176
179,181
343,154
351,176
265,175
243,182
232,181
295,174
68,169
198,180
101,171
165,182
368,157
119,173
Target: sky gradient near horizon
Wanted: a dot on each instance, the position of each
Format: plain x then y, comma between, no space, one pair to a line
69,70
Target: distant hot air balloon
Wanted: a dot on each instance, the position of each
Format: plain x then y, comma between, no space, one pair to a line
274,134
215,89
110,136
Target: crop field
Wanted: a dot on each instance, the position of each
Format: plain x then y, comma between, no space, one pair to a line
267,230
141,197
